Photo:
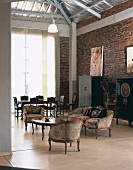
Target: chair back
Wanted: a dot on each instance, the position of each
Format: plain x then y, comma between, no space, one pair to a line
73,129
62,99
74,98
67,130
51,99
39,97
24,98
15,100
34,101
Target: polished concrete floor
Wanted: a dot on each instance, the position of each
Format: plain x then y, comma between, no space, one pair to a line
104,153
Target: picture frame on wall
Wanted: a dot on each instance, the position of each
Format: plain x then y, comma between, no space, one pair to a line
96,64
129,54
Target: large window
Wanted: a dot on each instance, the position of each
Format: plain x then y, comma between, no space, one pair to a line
29,58
51,66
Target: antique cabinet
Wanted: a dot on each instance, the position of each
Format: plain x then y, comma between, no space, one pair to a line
124,93
90,91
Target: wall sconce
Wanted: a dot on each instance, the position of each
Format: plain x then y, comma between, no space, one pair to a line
52,28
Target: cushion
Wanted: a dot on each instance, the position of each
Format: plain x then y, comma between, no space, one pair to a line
33,110
89,110
95,113
103,113
98,113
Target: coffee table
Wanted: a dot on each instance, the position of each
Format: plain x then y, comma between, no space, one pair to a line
44,122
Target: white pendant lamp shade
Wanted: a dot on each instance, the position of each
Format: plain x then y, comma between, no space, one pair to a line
52,28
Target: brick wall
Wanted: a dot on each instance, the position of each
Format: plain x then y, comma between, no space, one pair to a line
114,39
64,67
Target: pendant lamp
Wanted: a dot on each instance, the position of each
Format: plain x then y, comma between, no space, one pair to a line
52,28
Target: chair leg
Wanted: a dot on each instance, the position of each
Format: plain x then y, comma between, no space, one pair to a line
110,132
96,132
17,113
49,140
70,143
25,126
21,116
65,147
85,130
78,142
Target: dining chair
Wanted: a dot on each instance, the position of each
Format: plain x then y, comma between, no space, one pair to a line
62,105
24,101
17,107
51,105
74,103
24,98
40,98
34,101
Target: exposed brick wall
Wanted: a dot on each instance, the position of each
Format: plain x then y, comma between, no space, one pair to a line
64,67
114,38
107,13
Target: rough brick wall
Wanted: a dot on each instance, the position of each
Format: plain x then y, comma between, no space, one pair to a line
64,67
107,13
114,38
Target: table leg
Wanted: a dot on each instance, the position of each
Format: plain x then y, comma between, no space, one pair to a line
42,132
32,128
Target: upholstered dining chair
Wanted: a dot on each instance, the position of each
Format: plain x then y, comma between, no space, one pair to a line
66,132
32,112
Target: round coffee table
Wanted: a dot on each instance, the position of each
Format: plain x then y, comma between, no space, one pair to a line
44,122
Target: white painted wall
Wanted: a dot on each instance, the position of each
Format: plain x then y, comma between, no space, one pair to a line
5,78
72,61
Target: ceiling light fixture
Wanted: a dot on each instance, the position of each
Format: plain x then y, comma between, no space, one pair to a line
52,28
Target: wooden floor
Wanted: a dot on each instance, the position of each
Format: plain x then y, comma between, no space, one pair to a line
104,153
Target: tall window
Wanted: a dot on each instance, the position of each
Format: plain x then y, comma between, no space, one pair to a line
33,66
26,65
51,66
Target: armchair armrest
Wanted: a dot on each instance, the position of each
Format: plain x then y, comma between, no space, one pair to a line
106,121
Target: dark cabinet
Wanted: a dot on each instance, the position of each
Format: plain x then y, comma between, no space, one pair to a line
124,92
90,91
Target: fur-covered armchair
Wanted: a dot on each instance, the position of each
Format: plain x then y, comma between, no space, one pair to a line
31,112
65,132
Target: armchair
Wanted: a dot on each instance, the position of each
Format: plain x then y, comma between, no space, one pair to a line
31,112
100,123
65,132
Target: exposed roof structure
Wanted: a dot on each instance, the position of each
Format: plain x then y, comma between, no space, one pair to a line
63,11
